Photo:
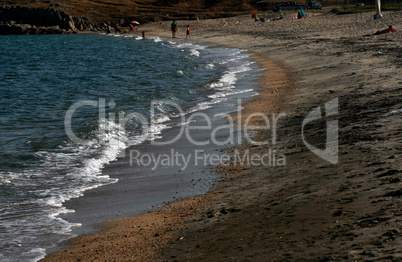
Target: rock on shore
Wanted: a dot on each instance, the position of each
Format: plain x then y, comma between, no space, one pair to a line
15,20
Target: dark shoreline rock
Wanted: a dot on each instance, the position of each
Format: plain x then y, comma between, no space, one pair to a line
26,29
19,20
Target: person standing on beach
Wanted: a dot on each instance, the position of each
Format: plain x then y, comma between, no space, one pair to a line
132,28
188,32
173,27
117,29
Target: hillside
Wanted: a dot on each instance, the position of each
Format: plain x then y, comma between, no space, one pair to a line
120,11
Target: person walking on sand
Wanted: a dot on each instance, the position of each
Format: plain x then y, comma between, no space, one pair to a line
188,32
173,27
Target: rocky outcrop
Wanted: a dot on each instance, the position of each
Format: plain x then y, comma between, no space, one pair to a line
11,28
25,20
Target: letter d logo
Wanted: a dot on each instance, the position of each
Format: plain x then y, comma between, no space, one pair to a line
331,147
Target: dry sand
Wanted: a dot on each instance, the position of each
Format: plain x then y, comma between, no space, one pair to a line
309,209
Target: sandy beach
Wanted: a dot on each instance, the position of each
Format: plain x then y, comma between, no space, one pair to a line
308,209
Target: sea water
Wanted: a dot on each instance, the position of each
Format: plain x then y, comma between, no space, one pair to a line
55,83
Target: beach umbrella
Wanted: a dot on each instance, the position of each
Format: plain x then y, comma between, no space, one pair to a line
302,12
134,22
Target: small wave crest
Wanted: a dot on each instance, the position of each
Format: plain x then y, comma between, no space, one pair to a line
229,93
156,39
193,48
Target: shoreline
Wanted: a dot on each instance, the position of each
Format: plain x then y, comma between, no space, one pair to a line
309,199
176,209
157,228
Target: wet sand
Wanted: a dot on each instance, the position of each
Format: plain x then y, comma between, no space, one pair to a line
309,209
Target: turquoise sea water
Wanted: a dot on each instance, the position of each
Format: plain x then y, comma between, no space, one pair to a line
47,81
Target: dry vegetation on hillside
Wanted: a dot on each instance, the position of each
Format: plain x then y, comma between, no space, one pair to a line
143,10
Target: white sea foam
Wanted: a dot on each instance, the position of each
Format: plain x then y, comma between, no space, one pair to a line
161,119
204,105
225,85
193,48
194,52
227,81
230,93
156,39
232,59
37,254
189,45
7,177
155,131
